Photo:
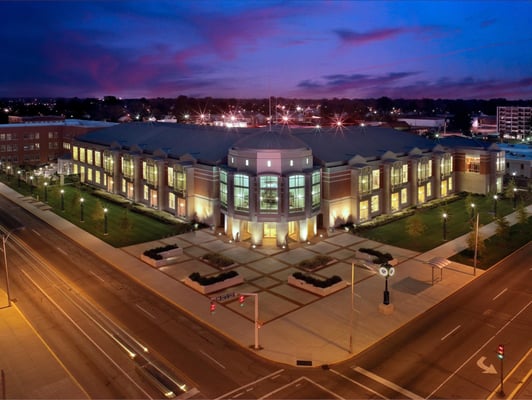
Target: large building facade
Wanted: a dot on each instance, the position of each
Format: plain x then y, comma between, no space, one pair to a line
514,122
279,184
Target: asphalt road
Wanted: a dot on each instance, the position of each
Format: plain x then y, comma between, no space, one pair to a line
448,352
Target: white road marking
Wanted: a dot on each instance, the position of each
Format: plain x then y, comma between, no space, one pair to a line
145,311
96,275
212,359
230,394
62,251
37,233
450,333
358,383
504,290
387,383
298,383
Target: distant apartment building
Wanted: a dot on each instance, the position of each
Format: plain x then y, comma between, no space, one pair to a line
484,125
514,122
32,141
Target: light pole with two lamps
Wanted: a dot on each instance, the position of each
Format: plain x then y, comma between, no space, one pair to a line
386,270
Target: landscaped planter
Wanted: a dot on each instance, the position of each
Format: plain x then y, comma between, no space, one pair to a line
168,257
314,289
215,287
367,260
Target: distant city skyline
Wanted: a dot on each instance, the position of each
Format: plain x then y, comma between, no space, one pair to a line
254,49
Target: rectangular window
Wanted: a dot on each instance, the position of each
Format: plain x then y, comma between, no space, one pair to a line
89,174
424,170
269,198
97,177
364,211
223,188
374,204
82,154
124,186
171,201
500,162
170,176
429,189
128,167
241,192
404,173
151,173
404,196
296,201
180,179
146,192
89,157
364,181
316,189
375,179
394,203
75,153
396,174
447,164
108,163
97,158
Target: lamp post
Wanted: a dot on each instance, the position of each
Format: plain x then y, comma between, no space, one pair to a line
515,198
105,221
81,201
62,200
444,226
495,205
18,173
386,270
31,185
9,173
472,210
351,317
45,192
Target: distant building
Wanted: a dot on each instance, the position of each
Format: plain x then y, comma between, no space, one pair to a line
38,142
484,125
518,159
423,125
514,122
282,183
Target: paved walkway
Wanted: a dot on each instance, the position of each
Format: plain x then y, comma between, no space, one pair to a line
297,327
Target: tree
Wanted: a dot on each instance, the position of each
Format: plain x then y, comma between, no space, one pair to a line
98,212
509,190
126,224
415,226
522,214
503,228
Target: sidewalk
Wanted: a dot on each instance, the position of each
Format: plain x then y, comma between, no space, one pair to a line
298,328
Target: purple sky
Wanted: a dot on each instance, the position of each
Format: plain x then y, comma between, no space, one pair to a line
255,49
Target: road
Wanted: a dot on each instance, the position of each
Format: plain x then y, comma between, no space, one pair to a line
448,352
191,353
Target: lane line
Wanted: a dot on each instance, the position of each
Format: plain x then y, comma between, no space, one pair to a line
479,350
387,383
450,333
96,275
145,311
504,290
297,383
230,394
62,251
212,359
358,383
37,233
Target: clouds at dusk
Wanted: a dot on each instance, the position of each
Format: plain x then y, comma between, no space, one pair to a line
239,49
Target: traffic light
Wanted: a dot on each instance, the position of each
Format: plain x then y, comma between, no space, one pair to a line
241,299
500,351
213,307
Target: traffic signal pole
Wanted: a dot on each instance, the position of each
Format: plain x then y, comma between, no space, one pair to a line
256,299
500,355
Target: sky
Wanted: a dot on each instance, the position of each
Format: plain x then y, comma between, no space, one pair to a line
309,49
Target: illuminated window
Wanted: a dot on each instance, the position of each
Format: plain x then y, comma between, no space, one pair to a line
108,163
364,180
146,192
421,194
296,194
394,202
291,163
179,179
424,169
375,179
404,196
397,174
447,164
90,159
500,163
223,188
241,192
171,201
97,177
150,172
247,163
97,158
89,174
269,200
316,189
269,163
82,154
128,167
364,211
429,189
375,204
75,153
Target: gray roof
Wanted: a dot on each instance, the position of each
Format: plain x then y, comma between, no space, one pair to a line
210,144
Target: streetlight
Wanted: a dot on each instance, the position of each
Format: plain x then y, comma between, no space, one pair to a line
18,173
351,317
81,201
495,205
515,198
4,240
9,173
386,270
45,192
62,200
472,210
31,185
444,226
105,221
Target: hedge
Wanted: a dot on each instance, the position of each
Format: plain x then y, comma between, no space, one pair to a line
205,281
317,282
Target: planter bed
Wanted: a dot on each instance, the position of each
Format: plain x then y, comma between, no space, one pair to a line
168,257
314,289
215,287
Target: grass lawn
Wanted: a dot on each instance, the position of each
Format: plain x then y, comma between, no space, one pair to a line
459,222
124,227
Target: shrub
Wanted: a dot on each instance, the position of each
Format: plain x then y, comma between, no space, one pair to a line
380,258
317,282
155,253
209,280
218,260
314,262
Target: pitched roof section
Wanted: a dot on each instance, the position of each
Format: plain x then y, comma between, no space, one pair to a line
209,144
